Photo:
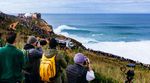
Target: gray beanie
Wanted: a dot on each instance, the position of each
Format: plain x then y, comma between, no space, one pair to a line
31,39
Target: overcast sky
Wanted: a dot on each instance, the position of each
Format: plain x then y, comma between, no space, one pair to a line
75,6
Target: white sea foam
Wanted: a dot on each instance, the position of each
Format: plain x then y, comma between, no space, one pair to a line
93,35
138,51
62,27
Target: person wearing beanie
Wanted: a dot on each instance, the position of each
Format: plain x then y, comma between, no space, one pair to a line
35,54
53,43
79,58
81,71
31,40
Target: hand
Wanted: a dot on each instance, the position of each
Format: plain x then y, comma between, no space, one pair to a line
89,67
88,64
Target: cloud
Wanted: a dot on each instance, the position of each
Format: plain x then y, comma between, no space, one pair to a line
76,6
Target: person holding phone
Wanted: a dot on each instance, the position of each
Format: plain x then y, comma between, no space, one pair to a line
81,71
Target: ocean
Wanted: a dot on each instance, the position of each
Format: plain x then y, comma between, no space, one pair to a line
125,35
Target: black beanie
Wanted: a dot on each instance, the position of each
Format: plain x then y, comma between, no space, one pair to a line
53,43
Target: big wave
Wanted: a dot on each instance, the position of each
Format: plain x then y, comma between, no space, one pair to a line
60,29
138,50
63,27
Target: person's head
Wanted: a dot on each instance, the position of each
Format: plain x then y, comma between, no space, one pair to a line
53,43
79,58
32,40
11,37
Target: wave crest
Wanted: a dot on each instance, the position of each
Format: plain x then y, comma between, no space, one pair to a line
60,29
63,27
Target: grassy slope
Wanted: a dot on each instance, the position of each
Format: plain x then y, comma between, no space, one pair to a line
108,68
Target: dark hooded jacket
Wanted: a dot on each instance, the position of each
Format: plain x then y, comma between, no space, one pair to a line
35,54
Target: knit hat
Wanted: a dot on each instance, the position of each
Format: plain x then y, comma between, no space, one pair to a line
79,58
31,39
53,43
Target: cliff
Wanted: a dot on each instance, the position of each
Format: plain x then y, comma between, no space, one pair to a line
107,66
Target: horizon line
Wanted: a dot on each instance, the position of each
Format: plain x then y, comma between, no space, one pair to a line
76,13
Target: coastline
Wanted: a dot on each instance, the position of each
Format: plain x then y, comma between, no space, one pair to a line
101,53
106,65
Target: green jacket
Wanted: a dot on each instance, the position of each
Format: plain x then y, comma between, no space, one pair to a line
11,63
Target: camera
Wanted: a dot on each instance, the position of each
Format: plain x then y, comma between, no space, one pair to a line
86,62
61,43
41,42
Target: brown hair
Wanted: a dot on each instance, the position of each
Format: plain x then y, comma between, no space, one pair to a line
11,36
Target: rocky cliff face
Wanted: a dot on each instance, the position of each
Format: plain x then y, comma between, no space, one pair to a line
5,20
25,25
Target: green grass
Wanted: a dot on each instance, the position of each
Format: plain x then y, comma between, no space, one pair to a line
107,69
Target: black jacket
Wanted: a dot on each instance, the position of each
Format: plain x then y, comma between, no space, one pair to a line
76,74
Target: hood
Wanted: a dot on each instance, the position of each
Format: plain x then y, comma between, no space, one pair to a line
51,53
28,46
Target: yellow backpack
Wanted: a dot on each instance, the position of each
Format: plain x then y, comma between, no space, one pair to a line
47,68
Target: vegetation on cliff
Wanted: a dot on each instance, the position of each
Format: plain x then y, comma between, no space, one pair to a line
107,67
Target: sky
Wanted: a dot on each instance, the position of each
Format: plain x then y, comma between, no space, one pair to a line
75,6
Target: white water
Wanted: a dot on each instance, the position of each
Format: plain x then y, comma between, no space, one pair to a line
138,51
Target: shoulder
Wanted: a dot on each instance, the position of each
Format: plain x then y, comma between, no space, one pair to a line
70,67
2,49
20,52
32,50
59,57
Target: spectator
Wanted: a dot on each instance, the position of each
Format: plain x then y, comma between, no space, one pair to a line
81,71
35,53
130,76
11,61
59,59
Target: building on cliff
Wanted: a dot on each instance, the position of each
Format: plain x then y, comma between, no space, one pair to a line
30,15
36,15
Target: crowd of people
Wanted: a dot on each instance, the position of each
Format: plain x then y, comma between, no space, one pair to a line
32,64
